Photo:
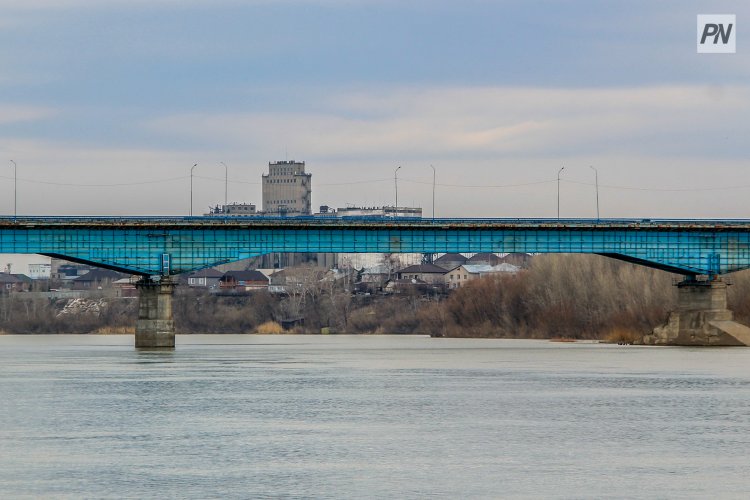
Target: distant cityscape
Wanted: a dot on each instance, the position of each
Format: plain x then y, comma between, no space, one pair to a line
287,191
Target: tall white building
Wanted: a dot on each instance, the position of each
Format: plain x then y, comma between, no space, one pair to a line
287,189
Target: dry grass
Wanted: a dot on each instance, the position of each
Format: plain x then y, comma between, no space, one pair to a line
115,330
620,335
269,328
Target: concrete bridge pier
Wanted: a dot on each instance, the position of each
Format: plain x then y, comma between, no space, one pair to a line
155,326
701,318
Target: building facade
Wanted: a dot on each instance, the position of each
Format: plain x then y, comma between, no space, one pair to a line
287,189
233,209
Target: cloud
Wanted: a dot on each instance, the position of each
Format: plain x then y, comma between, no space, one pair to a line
496,151
10,113
515,122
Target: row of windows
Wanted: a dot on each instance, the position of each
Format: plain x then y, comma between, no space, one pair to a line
282,181
283,202
458,277
283,171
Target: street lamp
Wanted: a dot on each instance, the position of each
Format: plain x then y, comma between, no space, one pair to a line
558,192
191,188
596,177
395,180
226,183
15,190
433,192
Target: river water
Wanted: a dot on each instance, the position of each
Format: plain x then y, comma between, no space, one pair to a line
227,416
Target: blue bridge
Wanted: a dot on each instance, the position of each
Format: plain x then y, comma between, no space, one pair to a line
158,247
163,246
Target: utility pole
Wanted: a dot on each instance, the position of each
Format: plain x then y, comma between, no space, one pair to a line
395,181
15,191
433,193
191,188
558,192
596,177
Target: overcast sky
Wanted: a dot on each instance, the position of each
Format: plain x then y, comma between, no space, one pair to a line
105,105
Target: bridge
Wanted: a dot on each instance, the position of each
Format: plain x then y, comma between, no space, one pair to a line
159,247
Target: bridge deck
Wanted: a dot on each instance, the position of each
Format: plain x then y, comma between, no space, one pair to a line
370,222
171,245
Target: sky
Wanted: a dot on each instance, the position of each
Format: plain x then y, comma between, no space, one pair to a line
106,105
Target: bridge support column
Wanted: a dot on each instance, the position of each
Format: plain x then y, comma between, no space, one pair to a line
701,318
155,327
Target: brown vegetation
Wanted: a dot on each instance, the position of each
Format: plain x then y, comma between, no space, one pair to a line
560,296
269,328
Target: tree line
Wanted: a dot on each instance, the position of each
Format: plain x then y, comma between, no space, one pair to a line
566,296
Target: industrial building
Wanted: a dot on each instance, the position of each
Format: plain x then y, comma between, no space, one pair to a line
287,189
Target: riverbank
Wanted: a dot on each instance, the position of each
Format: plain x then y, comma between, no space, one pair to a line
559,296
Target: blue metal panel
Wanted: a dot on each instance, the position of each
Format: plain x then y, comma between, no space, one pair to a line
139,244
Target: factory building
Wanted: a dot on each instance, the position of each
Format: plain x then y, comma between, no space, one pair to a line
287,189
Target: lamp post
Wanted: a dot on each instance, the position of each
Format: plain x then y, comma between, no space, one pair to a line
226,183
15,190
596,180
558,192
395,181
433,192
191,188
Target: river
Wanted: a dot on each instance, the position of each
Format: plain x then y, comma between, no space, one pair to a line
229,416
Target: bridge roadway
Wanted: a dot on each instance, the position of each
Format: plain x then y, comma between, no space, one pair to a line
163,246
158,247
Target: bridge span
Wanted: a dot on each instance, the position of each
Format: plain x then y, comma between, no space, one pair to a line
159,247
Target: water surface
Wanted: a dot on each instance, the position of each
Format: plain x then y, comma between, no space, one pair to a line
370,417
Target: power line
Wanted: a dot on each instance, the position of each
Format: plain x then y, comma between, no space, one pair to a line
664,190
374,181
117,184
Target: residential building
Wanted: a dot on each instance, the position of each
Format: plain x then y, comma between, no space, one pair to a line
205,278
32,265
287,189
243,281
429,273
450,261
125,287
407,285
459,276
97,279
40,271
234,210
486,259
10,283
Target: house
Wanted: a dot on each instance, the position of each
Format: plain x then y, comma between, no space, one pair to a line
450,261
458,277
407,284
429,273
243,281
205,278
10,283
485,259
126,286
26,282
97,279
296,280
